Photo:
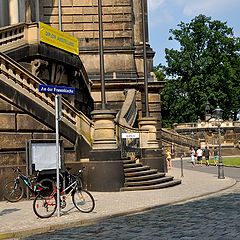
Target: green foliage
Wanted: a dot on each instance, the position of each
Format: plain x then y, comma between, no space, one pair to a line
159,72
205,68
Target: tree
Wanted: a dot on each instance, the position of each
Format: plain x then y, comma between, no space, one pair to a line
205,68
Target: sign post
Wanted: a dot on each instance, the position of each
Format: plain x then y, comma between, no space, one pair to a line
58,155
58,110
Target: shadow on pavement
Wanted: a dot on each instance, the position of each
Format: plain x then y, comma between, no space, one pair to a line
8,211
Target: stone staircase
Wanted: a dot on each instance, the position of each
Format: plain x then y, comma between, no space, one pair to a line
140,177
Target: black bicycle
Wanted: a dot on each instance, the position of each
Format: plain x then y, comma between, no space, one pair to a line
14,190
45,206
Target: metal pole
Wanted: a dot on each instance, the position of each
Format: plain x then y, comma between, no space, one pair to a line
57,116
37,11
220,163
101,53
58,155
57,101
60,15
145,58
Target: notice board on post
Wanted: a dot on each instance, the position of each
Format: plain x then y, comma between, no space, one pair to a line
41,155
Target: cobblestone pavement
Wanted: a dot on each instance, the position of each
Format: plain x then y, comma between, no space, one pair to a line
212,217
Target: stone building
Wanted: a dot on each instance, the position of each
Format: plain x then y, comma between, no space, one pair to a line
123,42
124,83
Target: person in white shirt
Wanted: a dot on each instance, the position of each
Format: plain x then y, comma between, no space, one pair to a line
199,155
193,156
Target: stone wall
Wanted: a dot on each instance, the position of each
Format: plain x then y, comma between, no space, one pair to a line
16,128
122,33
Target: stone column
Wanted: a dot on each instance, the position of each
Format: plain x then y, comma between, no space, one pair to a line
151,152
105,168
104,129
14,11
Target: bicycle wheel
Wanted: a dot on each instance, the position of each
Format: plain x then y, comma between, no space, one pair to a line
83,200
13,191
48,186
44,207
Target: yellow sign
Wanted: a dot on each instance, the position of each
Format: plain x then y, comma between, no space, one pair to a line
58,39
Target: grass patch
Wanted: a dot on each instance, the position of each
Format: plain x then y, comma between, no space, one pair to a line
233,161
228,161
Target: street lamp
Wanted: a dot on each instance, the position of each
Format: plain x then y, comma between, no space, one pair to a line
217,114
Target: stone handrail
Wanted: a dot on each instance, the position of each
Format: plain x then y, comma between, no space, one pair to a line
178,139
185,125
129,109
127,115
17,77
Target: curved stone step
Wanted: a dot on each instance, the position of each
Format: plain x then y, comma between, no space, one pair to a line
136,169
129,161
132,165
149,182
145,177
152,187
140,173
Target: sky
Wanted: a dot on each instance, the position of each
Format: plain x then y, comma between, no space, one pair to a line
167,14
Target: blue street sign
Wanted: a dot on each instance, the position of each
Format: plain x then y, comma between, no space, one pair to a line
56,89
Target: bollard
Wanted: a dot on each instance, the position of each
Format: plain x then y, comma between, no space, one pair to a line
181,165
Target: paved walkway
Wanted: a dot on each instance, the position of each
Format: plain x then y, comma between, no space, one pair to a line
18,220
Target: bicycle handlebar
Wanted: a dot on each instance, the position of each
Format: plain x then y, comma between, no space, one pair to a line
17,169
80,171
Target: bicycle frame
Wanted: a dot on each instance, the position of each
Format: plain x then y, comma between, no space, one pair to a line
26,180
63,192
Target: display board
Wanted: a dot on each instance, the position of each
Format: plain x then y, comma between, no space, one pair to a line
42,154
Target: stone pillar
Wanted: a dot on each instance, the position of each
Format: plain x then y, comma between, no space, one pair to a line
105,168
104,129
14,11
137,11
151,152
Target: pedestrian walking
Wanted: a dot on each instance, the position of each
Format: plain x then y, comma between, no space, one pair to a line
215,156
169,158
193,153
199,155
207,155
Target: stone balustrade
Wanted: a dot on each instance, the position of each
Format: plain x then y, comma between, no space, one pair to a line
16,36
178,139
14,75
